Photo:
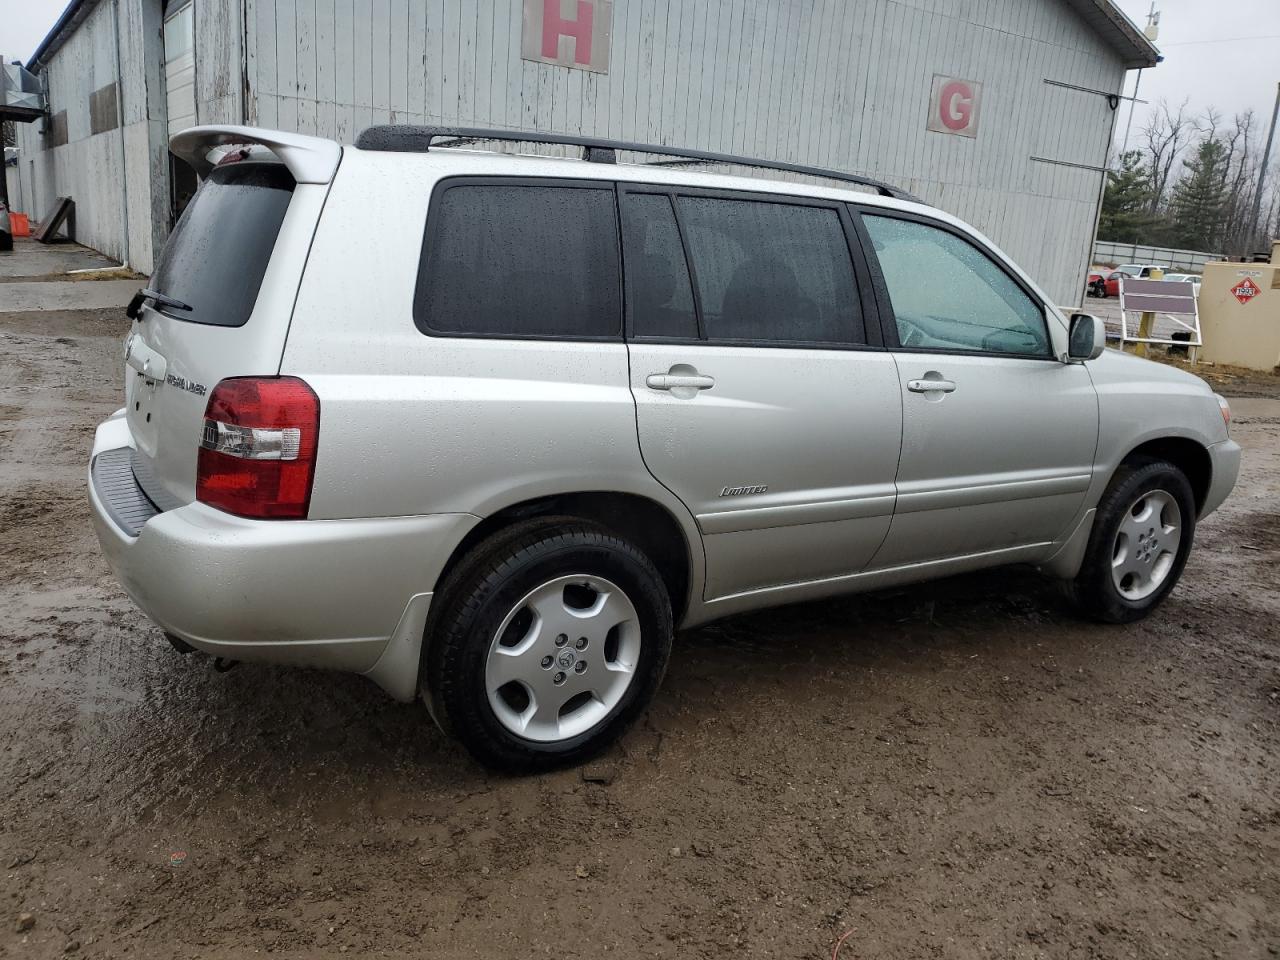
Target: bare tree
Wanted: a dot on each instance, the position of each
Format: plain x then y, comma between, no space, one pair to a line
1240,180
1207,124
1167,134
1175,145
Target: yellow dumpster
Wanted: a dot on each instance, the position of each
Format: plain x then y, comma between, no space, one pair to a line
1240,313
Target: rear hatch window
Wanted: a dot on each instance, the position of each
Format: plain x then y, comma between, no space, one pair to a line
216,256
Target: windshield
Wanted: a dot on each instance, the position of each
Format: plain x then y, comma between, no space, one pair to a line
218,253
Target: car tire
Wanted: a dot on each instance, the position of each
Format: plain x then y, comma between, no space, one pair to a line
550,639
1142,533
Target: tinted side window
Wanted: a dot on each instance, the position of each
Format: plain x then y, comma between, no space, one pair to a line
659,296
771,271
949,295
510,260
218,253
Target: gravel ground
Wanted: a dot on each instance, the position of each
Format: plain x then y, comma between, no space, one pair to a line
962,769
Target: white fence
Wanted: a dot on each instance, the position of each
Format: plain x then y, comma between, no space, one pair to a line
1192,261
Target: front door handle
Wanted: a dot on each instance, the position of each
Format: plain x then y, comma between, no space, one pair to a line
931,386
679,381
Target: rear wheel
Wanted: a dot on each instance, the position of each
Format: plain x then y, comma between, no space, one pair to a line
550,640
1139,544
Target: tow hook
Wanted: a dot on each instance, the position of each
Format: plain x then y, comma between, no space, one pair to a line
223,665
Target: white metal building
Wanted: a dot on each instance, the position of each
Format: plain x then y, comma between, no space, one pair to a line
1000,111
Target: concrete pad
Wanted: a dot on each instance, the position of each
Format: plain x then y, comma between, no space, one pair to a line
31,259
66,295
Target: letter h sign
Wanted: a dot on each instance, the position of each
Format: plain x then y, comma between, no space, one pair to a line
570,33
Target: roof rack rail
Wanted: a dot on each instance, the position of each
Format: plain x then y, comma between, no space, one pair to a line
409,138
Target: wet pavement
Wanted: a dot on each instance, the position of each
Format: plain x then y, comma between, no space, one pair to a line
32,259
64,276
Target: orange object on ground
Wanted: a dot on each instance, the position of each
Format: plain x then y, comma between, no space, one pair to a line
19,225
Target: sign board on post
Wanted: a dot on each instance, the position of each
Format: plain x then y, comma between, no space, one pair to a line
954,106
1169,303
570,33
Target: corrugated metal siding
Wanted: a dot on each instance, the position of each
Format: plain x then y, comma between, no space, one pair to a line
830,82
219,31
88,167
834,82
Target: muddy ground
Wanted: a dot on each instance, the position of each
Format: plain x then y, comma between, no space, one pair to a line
963,769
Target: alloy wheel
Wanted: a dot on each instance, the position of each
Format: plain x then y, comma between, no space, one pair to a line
563,658
1146,545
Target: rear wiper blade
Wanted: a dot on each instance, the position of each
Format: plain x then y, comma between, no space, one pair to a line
156,297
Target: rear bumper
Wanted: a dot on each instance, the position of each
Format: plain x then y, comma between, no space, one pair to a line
319,593
1224,459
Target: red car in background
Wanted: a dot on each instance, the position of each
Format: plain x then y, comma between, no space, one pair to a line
1108,284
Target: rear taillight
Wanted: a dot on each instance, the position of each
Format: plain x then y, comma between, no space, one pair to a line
258,450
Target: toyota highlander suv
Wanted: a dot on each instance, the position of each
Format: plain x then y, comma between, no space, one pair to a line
487,428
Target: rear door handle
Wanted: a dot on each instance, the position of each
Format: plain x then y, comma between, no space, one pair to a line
676,381
931,386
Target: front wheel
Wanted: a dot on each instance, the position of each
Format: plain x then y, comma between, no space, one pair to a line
549,643
1141,536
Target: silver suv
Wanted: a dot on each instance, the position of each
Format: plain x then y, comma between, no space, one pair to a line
486,428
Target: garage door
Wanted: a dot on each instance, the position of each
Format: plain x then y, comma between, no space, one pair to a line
180,68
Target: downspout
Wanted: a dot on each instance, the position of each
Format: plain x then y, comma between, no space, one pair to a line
1102,188
124,173
244,63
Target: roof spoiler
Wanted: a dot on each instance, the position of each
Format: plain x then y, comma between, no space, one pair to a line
309,159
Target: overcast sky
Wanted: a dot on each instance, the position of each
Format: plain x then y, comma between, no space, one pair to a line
1220,53
23,24
1224,53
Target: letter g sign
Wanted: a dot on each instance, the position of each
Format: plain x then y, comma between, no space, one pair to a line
953,106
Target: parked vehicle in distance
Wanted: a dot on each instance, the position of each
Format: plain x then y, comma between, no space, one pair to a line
1192,278
1108,285
493,453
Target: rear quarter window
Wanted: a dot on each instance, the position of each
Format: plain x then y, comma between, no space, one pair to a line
520,260
218,253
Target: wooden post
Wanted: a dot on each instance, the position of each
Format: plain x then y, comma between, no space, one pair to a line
1148,319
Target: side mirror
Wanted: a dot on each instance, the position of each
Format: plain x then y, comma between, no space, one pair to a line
1087,339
